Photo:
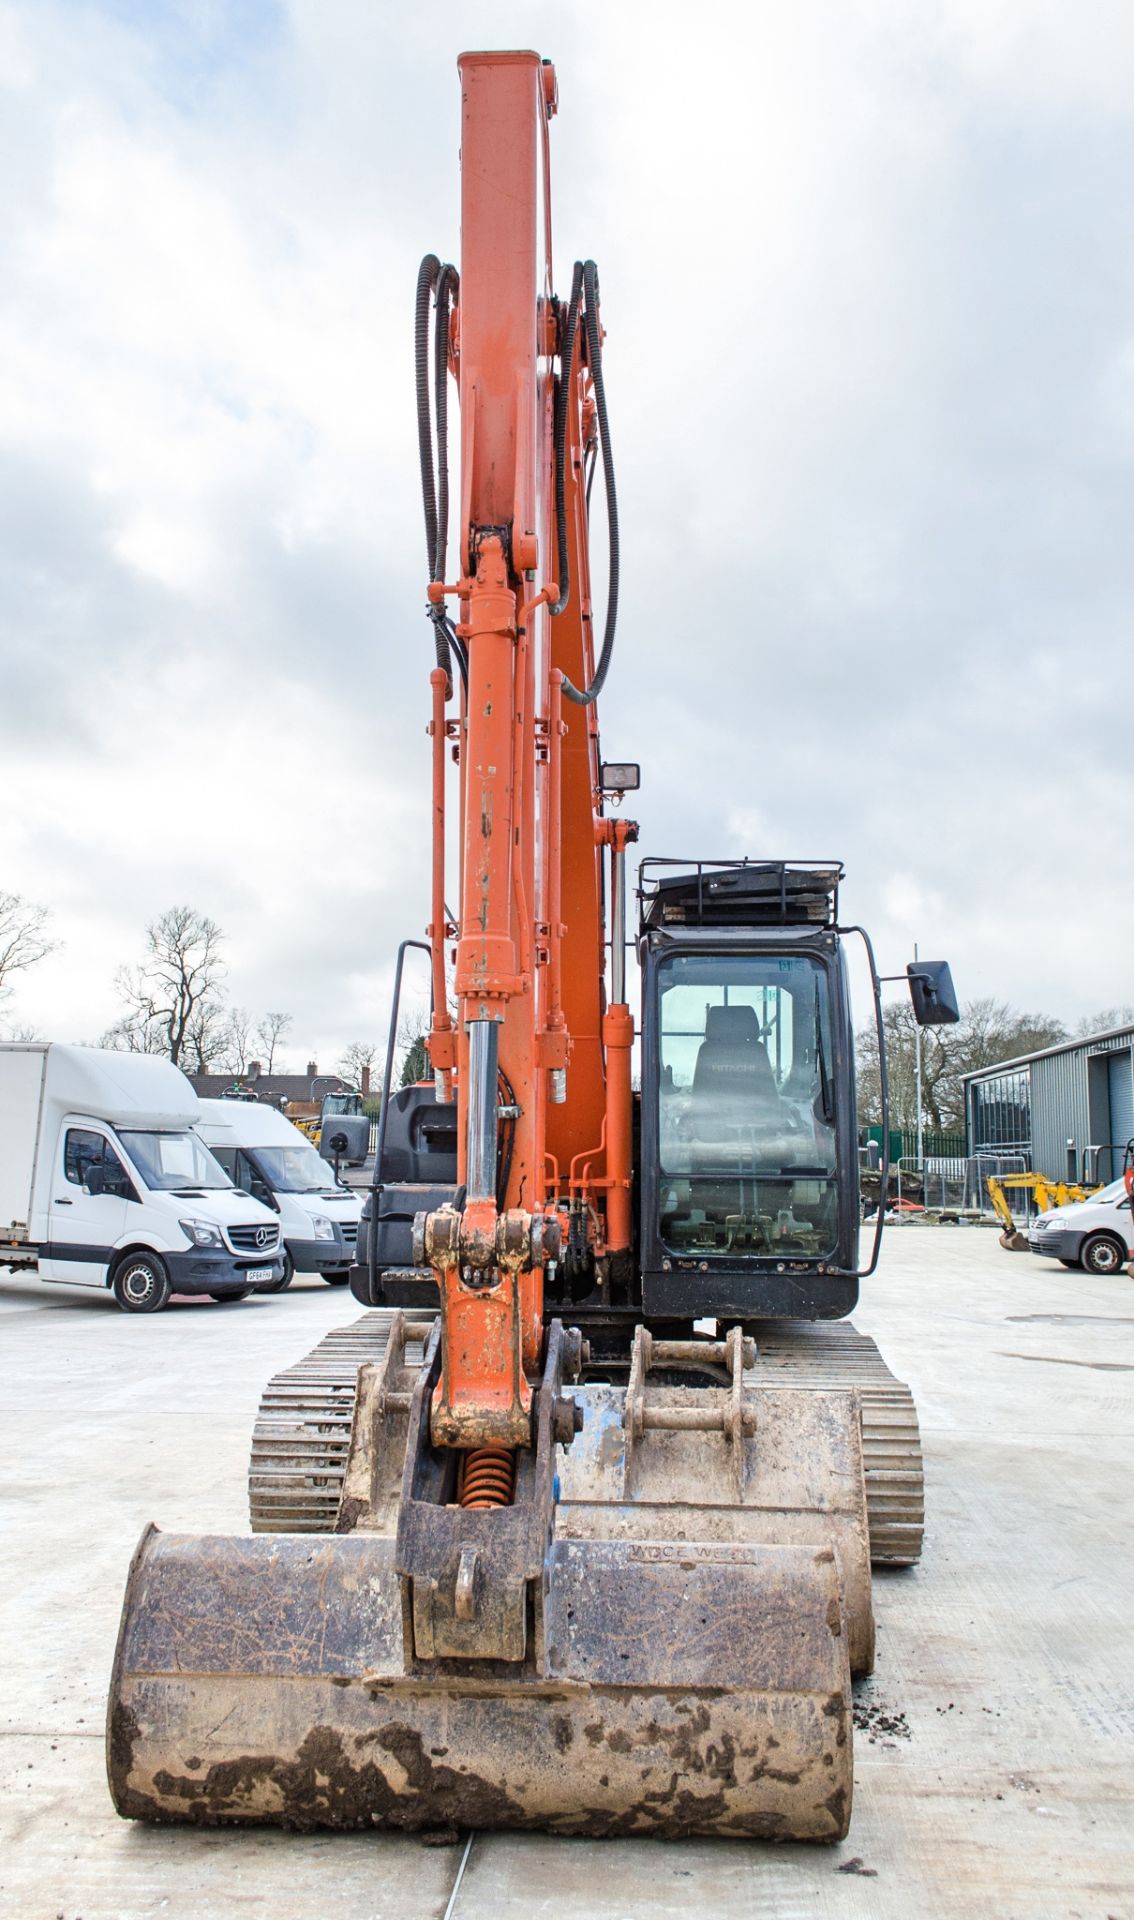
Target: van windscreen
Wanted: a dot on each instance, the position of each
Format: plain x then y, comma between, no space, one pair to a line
173,1162
297,1169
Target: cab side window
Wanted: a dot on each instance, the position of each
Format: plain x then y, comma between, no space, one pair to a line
252,1180
115,1178
246,1175
90,1161
240,1170
81,1151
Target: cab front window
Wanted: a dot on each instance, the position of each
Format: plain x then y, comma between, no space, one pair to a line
746,1106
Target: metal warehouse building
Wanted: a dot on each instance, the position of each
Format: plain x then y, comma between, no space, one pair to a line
1058,1107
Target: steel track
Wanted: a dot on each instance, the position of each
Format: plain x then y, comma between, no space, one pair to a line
832,1353
302,1431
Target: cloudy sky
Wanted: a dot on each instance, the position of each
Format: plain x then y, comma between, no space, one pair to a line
867,275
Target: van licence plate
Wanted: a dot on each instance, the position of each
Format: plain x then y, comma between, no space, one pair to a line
254,1275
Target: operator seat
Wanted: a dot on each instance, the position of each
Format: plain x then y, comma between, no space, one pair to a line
734,1089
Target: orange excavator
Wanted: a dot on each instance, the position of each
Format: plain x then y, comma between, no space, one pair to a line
573,1529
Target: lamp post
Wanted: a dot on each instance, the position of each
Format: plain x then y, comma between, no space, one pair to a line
920,1122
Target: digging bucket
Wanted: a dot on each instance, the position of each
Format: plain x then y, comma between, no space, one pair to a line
672,1691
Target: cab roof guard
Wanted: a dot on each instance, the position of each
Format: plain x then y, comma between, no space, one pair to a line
707,893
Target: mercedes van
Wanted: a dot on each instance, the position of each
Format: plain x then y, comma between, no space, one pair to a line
272,1160
105,1183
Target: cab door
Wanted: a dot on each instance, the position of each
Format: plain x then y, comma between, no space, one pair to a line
91,1191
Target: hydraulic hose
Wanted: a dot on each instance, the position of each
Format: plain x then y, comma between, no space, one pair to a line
427,276
441,284
562,403
594,357
448,284
505,1172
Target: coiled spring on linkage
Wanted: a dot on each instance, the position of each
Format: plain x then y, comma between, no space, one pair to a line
486,1477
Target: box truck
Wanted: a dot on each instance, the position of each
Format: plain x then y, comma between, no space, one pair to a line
104,1181
268,1157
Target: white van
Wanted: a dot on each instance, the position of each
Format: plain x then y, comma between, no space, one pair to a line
1096,1233
104,1183
268,1157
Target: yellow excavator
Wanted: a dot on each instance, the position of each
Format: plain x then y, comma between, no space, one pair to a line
1046,1192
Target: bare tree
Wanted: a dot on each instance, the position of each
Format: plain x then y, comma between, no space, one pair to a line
207,1037
270,1034
989,1031
24,939
357,1058
169,990
1104,1020
900,1031
131,1034
235,1046
413,1045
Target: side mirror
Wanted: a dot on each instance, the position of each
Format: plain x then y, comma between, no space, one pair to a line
933,994
93,1180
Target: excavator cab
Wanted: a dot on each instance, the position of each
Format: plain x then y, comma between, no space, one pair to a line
749,1175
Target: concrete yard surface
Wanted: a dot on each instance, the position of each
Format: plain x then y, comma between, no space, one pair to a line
995,1747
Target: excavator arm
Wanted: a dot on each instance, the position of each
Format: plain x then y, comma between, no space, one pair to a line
533,1036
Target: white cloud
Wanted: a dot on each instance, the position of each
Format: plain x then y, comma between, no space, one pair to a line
870,340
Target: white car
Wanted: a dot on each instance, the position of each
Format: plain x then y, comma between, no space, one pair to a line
270,1159
1096,1233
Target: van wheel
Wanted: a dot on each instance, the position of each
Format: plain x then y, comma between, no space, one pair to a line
241,1294
338,1277
1102,1253
285,1279
141,1283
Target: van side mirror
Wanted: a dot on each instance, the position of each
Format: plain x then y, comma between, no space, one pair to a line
93,1179
933,994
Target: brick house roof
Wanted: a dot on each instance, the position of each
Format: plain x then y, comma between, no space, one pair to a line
276,1088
